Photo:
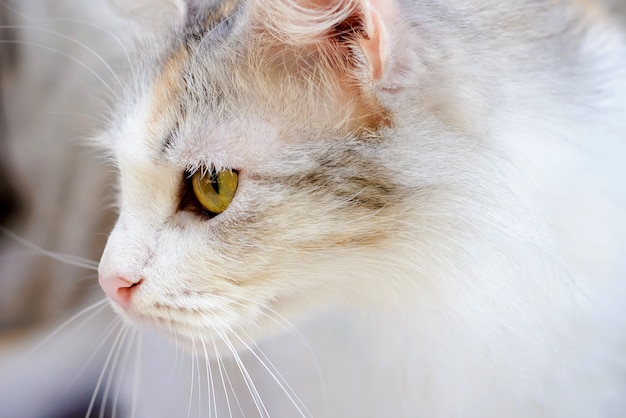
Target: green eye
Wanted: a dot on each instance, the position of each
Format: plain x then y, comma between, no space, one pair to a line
214,189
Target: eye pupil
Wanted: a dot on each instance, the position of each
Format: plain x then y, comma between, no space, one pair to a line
213,179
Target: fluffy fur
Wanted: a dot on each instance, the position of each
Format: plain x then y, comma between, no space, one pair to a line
432,195
461,210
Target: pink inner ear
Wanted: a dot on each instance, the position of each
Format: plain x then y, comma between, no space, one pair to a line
374,45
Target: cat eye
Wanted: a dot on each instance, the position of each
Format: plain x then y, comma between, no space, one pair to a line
213,189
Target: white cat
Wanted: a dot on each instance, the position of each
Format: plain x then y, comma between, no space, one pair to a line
444,179
429,197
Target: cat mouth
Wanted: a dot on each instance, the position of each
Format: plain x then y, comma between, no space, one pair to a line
212,324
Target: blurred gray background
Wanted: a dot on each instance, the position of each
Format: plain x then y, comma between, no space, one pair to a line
55,193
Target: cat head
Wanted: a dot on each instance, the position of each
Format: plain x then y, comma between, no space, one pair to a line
267,165
282,98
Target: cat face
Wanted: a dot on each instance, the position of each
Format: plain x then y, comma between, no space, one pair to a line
372,148
314,202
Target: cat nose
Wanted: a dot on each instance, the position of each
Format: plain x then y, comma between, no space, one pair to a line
118,289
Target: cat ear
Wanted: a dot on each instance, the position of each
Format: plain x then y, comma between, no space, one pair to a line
373,39
341,27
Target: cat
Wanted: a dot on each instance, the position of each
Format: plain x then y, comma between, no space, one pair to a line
443,179
414,209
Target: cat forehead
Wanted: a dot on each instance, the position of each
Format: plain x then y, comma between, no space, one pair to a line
160,128
224,87
186,111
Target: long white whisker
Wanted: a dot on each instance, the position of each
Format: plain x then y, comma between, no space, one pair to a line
99,305
277,376
103,372
220,366
32,253
133,410
192,381
197,358
280,319
69,38
290,393
74,59
120,377
209,375
107,333
109,33
82,115
76,21
89,277
112,369
179,358
256,397
293,331
64,258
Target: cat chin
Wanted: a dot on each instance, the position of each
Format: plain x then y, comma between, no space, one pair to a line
204,339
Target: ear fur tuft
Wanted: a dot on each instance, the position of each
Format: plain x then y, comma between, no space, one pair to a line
332,24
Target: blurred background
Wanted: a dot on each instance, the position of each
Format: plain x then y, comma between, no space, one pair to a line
59,65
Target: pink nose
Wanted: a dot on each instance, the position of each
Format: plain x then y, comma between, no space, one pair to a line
118,289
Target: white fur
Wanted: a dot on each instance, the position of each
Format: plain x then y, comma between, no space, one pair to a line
492,287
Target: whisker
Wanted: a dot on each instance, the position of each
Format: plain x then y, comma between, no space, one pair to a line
276,375
290,393
197,358
64,258
107,333
179,358
69,38
293,331
256,397
75,21
89,277
120,377
100,305
192,381
74,59
280,319
221,367
107,32
102,373
138,359
112,369
82,115
210,385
